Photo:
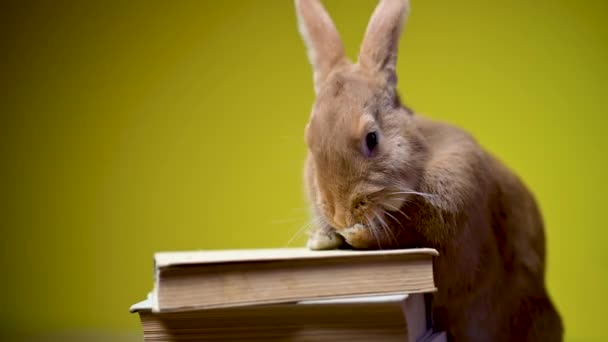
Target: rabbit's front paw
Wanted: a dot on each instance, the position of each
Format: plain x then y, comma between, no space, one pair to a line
359,236
322,239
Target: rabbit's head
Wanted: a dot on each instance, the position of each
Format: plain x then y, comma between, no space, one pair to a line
365,153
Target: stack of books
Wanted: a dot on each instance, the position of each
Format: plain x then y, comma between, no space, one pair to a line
290,294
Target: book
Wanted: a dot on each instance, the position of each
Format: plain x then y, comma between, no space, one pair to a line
227,278
376,318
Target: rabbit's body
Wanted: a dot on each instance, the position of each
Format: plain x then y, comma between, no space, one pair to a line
379,176
489,233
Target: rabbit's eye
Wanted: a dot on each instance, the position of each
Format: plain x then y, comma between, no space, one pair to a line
371,141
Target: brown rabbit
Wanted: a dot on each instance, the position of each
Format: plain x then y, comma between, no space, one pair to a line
379,176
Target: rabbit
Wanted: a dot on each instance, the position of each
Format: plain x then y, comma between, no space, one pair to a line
379,176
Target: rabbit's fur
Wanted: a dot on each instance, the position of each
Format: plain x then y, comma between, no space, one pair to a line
425,184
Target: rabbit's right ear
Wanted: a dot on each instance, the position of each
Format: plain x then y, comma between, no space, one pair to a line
324,45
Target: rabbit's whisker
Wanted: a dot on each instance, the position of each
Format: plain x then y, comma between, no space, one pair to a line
423,194
387,229
315,221
397,210
373,229
391,216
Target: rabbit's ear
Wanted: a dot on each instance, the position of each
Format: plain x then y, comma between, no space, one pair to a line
379,48
324,45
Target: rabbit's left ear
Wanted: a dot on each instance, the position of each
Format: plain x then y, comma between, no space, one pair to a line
379,49
325,48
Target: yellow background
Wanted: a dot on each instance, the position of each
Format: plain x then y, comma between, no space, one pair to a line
132,127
